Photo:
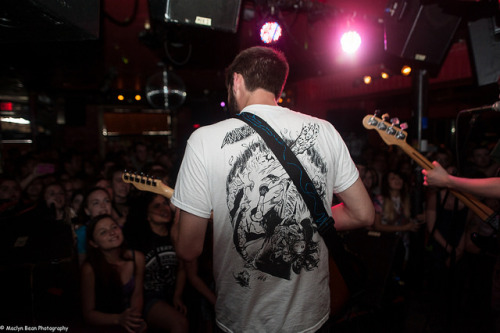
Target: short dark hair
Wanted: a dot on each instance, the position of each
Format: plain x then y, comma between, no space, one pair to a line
261,67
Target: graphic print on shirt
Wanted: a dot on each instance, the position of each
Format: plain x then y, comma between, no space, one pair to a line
160,270
272,228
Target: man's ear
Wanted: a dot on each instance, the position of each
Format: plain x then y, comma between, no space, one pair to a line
238,81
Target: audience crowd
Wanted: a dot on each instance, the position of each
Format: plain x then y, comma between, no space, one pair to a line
82,247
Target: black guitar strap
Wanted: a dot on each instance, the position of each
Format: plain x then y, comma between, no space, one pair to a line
324,222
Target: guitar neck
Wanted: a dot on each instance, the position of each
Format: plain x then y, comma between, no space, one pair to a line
397,136
480,209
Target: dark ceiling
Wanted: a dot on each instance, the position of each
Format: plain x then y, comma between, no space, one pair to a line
101,46
98,47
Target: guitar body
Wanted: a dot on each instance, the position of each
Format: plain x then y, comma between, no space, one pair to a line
339,293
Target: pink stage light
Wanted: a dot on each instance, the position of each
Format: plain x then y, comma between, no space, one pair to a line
350,41
270,32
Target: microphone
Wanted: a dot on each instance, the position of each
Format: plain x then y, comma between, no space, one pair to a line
494,107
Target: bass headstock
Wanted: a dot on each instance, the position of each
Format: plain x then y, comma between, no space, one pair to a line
390,130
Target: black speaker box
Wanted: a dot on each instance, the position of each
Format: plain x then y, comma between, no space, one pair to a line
49,20
213,14
484,42
418,31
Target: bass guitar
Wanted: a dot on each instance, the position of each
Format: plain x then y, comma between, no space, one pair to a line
392,134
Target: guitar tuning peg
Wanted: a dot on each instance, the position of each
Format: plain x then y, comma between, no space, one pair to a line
376,113
395,121
385,116
403,126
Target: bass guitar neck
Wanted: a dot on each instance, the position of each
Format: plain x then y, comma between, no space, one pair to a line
391,134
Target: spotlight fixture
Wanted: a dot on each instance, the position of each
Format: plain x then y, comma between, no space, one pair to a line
350,41
270,32
120,97
367,79
384,75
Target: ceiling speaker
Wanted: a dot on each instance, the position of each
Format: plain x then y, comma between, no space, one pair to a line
419,32
213,14
484,41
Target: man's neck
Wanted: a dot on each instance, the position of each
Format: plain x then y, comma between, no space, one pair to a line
259,96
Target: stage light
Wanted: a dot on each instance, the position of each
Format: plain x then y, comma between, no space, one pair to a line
406,70
138,97
120,97
270,32
367,79
384,75
350,41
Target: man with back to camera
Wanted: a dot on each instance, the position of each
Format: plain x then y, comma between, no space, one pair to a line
270,263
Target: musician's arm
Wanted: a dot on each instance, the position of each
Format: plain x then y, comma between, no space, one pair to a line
191,236
483,187
356,209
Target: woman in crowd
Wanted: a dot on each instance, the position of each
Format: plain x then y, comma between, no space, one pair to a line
370,180
393,215
96,202
148,230
111,279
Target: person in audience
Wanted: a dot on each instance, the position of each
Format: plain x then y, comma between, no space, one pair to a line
10,196
111,279
33,191
120,199
96,202
54,198
76,201
148,229
446,219
481,161
488,187
105,184
370,180
393,215
140,156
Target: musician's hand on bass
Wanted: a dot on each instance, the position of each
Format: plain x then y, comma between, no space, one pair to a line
437,176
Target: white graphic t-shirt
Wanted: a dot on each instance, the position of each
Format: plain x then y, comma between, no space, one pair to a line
270,263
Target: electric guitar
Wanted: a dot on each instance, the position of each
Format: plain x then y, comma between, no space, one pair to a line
392,134
146,183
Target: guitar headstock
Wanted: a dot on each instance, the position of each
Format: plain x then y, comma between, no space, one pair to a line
147,183
391,132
